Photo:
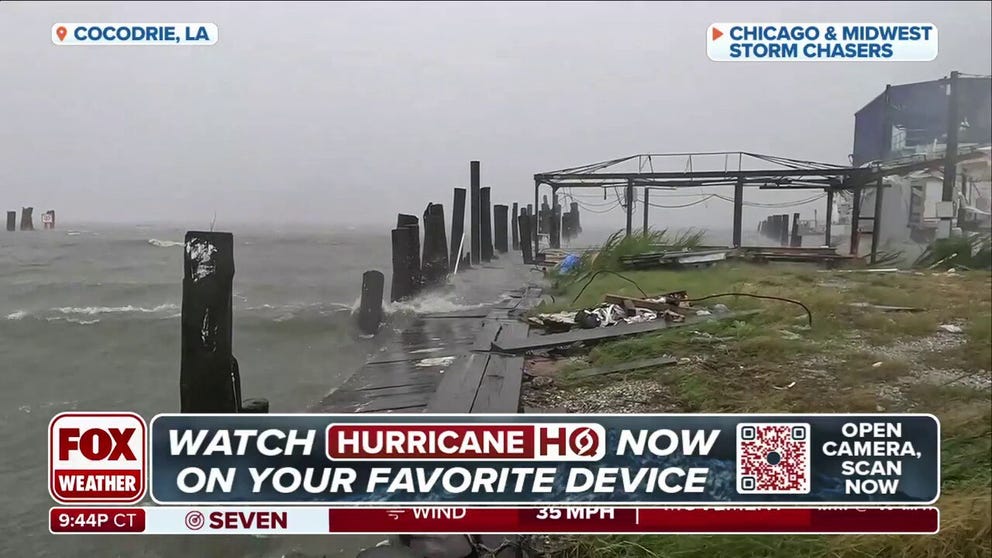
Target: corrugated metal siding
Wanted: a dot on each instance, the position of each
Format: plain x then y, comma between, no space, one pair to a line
869,132
921,108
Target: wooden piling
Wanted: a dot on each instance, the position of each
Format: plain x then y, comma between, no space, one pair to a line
26,219
11,220
209,381
784,229
402,283
486,223
435,258
412,226
370,310
475,213
738,211
457,228
524,223
514,227
555,228
499,231
576,223
830,218
794,239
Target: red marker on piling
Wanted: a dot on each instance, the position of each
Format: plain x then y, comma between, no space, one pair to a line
61,33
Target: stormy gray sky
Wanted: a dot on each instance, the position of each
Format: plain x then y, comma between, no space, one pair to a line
349,113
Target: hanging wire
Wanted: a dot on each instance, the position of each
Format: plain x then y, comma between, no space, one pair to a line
596,273
697,202
809,315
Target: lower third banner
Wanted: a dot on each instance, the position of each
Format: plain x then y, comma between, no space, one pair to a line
490,520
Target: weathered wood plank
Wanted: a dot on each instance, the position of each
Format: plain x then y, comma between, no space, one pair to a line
499,391
624,367
598,334
484,341
394,402
474,313
409,389
393,381
456,391
513,329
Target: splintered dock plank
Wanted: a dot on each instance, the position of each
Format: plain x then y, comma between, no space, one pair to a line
471,379
401,378
499,390
484,341
457,389
406,403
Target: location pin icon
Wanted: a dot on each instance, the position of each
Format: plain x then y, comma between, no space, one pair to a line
61,33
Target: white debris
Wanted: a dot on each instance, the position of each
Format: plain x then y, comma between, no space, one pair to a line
950,328
439,361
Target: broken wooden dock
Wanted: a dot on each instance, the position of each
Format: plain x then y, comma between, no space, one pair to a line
443,364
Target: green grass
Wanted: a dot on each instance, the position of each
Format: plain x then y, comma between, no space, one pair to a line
747,365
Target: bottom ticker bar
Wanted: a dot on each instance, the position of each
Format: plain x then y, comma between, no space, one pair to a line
168,520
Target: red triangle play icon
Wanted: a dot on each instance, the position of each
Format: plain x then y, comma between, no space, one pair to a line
717,33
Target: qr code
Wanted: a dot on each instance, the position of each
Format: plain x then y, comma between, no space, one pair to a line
773,458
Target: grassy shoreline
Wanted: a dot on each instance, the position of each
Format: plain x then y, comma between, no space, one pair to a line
853,359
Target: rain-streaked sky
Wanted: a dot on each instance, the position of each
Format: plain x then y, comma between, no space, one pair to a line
337,113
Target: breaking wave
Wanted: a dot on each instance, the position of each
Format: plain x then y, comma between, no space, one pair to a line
164,243
94,310
430,303
20,314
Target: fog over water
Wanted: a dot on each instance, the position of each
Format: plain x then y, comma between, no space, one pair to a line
304,131
336,113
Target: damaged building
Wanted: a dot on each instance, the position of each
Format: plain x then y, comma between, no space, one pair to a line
912,121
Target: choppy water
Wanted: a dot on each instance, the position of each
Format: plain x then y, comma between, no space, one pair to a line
89,320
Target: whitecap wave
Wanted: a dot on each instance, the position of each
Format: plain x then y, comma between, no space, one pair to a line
164,243
82,322
430,303
19,315
94,310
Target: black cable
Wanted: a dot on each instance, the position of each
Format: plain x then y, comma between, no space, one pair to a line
627,279
808,313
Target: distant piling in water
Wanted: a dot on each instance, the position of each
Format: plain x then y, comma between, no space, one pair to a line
514,226
796,241
48,219
554,230
474,212
486,224
370,310
27,223
435,258
500,213
526,248
457,229
11,220
209,379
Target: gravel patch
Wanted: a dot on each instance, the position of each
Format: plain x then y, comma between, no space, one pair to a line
611,396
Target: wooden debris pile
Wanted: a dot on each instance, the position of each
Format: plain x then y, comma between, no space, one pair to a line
617,309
